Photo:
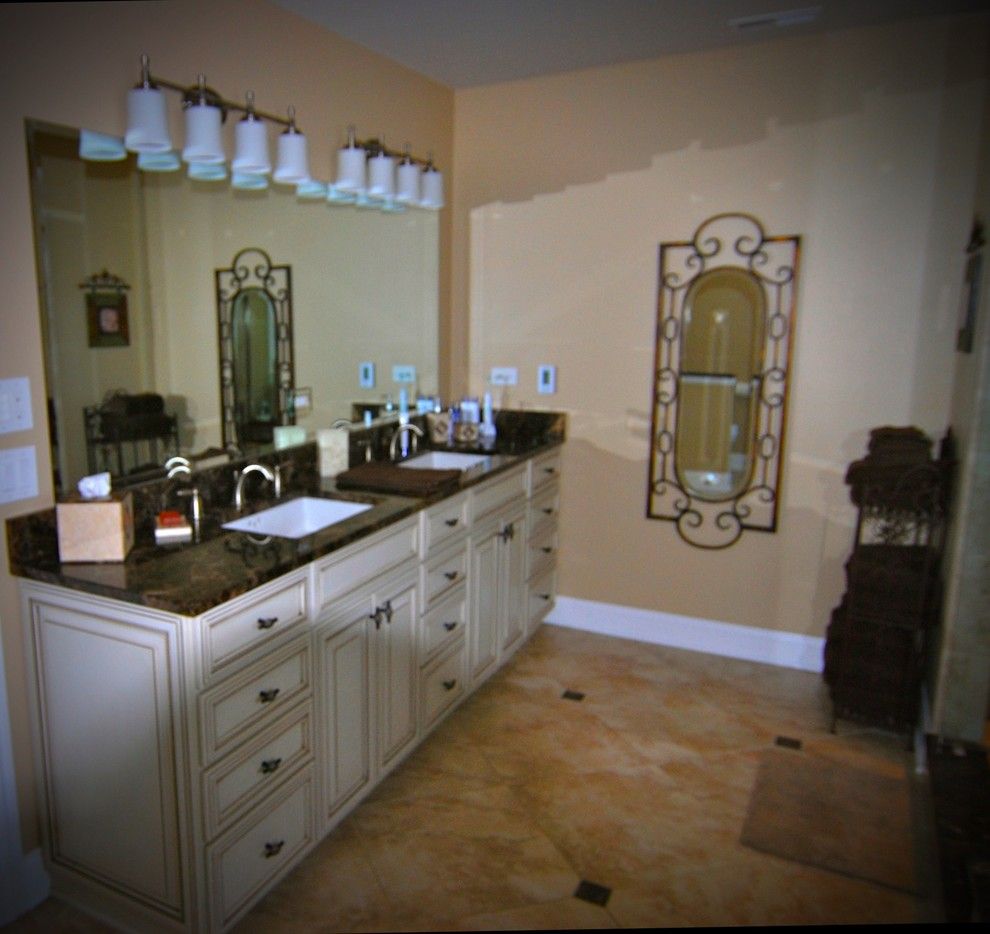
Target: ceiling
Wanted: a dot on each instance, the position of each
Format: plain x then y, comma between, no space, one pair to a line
465,43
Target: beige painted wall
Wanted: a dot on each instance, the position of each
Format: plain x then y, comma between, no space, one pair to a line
862,142
72,64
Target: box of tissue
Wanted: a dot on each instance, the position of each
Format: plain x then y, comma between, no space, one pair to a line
95,529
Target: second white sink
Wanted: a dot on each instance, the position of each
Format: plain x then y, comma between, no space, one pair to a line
297,517
445,460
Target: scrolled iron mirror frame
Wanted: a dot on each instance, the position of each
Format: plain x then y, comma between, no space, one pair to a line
252,268
738,241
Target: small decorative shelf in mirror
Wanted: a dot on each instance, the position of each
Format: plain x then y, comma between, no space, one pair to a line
725,317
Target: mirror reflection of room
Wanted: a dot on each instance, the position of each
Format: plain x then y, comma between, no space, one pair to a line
165,235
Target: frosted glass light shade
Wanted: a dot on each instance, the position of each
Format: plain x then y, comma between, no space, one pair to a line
311,190
251,147
407,183
159,161
101,147
293,163
204,144
207,171
337,195
351,169
248,181
432,191
381,177
147,121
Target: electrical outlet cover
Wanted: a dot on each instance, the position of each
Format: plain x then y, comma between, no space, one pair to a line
366,375
546,379
404,373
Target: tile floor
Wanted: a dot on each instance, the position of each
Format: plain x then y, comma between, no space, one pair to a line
639,789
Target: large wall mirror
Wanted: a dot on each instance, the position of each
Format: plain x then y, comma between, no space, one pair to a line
364,289
724,324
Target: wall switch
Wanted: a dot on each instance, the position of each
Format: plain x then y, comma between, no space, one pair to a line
404,373
504,376
18,474
366,375
546,379
302,400
15,404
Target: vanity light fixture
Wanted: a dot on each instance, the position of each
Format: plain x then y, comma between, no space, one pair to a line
368,173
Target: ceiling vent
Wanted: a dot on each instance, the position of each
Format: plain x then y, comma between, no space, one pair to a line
778,19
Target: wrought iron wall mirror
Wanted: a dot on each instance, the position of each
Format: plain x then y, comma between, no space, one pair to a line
725,317
254,316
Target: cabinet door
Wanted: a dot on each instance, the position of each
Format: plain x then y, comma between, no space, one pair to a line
483,588
512,579
346,694
396,667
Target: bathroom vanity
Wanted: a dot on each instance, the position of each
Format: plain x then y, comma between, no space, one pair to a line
205,713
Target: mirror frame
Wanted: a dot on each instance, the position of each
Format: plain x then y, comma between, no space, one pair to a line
252,269
738,241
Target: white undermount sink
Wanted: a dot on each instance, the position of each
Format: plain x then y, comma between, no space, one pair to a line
297,517
445,460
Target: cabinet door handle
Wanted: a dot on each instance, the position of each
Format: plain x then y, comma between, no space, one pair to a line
266,622
450,522
450,685
270,765
450,575
450,627
273,849
267,696
507,533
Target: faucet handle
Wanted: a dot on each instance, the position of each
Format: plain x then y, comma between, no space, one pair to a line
197,503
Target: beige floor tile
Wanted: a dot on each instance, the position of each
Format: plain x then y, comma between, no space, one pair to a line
566,914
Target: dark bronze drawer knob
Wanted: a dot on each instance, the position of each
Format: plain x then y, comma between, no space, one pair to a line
270,765
450,522
273,849
266,622
450,685
450,575
450,627
267,696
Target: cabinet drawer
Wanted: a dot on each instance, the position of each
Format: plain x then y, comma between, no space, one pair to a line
543,508
250,621
444,521
259,850
443,683
253,698
364,560
541,594
541,551
493,495
444,572
543,470
446,621
241,779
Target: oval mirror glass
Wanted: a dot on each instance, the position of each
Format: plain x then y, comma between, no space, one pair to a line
253,331
719,383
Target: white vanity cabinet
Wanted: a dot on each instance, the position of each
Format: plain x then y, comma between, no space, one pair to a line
186,764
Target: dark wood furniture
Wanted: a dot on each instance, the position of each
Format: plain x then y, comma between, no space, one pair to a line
127,434
878,637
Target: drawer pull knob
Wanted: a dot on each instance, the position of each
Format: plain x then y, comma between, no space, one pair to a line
450,685
548,510
450,575
450,522
266,622
549,469
267,696
507,533
543,596
381,611
273,849
270,765
546,549
450,627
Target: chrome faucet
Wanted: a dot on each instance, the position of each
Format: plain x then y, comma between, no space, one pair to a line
400,433
273,476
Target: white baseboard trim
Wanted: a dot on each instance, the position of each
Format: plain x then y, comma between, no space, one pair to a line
786,649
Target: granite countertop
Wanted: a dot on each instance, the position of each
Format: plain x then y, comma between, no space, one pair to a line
193,577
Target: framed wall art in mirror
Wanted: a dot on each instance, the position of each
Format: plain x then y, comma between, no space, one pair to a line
725,319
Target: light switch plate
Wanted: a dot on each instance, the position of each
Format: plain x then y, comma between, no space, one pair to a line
546,379
18,474
15,404
504,376
403,373
366,375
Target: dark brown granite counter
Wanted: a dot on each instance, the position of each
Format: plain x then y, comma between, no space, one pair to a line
193,577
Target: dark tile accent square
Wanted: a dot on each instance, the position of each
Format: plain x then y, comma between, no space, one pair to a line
572,695
787,742
592,892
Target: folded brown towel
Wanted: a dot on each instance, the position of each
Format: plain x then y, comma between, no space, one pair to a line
384,477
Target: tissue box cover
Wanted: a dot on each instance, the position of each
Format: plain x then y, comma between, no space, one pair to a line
95,529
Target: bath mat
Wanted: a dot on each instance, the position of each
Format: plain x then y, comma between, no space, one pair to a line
833,816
